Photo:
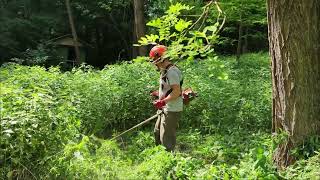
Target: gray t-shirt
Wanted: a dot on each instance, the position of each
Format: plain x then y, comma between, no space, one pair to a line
173,76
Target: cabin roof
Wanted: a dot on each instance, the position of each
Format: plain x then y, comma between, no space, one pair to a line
67,40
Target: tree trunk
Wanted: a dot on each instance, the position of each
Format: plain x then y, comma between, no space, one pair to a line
134,48
245,45
139,24
88,39
239,40
74,33
98,39
294,38
122,37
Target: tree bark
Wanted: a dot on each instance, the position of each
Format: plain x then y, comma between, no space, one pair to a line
239,47
294,39
245,45
74,33
139,24
134,48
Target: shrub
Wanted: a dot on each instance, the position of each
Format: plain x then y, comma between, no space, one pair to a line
38,116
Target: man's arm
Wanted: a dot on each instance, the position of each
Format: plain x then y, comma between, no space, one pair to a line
174,81
176,92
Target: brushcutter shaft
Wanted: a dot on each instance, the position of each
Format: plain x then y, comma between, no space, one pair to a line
136,126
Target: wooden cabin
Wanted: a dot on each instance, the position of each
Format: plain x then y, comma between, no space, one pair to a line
66,49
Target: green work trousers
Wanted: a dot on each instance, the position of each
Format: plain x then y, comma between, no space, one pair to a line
165,129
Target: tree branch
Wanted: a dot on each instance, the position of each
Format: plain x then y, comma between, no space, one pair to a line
205,11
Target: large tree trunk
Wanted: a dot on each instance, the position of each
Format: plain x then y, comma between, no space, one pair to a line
294,37
74,33
139,25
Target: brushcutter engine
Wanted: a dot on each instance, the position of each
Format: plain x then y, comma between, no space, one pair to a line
187,95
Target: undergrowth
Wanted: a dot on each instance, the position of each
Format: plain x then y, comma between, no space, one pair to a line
56,125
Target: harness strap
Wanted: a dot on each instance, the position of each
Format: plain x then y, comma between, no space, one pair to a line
165,79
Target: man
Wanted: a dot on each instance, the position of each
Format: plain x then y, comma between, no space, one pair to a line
170,101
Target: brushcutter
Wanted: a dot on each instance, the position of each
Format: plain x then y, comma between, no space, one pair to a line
187,95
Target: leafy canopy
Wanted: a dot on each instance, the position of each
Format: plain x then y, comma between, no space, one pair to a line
184,38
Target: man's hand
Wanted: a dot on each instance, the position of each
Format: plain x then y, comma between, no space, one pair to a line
159,104
154,94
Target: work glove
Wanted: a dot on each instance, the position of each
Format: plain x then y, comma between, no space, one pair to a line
159,104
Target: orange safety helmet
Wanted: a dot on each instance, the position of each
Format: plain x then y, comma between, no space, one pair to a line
157,52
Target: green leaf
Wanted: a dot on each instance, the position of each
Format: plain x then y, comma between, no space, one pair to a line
198,34
223,76
155,23
8,131
182,25
152,37
213,29
143,41
175,9
140,59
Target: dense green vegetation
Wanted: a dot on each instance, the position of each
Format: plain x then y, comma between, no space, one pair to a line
57,124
